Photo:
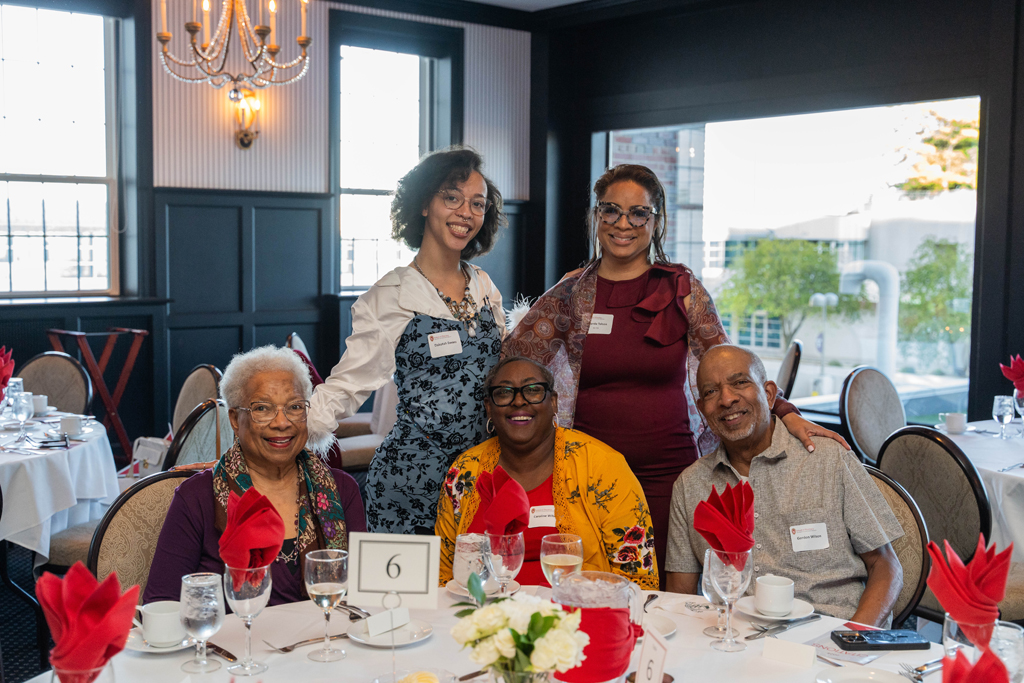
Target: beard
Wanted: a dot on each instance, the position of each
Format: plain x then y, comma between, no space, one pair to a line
760,415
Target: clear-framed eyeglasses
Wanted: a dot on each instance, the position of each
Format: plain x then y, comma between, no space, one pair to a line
264,413
532,393
636,215
453,199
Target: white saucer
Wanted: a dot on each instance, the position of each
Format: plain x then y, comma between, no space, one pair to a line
136,643
801,609
412,633
857,675
456,589
57,434
13,425
969,428
662,624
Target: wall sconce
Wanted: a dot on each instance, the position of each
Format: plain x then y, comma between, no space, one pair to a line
247,112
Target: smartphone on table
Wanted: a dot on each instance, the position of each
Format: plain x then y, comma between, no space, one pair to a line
894,639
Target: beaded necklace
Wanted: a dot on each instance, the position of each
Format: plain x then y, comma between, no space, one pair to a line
294,554
464,311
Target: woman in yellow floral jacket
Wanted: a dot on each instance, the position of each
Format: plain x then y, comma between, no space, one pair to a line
587,485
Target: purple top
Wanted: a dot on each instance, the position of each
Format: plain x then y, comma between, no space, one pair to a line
189,540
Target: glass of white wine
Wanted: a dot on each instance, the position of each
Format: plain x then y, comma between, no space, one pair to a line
201,613
561,552
247,592
326,575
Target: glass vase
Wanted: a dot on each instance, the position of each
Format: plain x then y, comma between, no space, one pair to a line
520,676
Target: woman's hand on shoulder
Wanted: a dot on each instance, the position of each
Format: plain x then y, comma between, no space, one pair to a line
804,429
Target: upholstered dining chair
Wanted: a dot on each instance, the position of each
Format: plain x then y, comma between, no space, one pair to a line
357,451
295,343
201,384
911,549
125,540
61,378
953,502
204,435
42,630
870,410
790,364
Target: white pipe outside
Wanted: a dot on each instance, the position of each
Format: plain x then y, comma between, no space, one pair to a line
851,277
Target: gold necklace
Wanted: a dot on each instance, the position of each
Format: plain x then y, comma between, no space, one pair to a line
294,554
464,311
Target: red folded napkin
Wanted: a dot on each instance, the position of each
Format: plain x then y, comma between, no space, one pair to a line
1014,373
727,522
89,620
253,534
6,366
971,594
504,507
988,669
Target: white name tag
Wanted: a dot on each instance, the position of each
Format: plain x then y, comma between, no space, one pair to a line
601,323
444,344
386,621
809,537
542,515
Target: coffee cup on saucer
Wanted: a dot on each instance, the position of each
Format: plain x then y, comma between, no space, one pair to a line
70,425
39,403
956,423
160,625
773,595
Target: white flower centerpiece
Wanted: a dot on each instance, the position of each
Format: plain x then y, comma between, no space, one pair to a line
519,639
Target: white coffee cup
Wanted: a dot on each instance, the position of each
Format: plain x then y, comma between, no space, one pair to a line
773,595
71,425
161,626
956,423
39,403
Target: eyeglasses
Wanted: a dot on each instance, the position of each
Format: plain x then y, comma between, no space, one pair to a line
265,413
637,215
532,393
454,199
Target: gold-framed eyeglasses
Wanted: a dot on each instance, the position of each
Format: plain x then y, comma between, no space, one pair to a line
264,413
453,199
532,393
636,215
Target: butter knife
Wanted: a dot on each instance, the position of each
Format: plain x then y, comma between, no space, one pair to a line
776,630
221,652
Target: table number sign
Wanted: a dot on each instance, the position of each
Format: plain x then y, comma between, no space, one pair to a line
652,657
405,564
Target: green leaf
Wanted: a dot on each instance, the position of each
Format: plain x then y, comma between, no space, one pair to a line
522,661
465,612
536,624
476,589
463,604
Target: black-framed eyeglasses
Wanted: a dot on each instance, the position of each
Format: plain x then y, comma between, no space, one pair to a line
264,413
453,199
532,393
636,215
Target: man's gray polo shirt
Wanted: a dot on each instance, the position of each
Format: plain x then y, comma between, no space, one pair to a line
793,488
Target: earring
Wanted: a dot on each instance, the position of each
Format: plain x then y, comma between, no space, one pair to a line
554,421
490,426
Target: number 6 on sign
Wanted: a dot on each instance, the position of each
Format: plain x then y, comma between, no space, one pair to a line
652,657
380,563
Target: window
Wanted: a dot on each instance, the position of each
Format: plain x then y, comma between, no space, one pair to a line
58,192
778,209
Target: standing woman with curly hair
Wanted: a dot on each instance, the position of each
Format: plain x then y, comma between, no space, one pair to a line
436,325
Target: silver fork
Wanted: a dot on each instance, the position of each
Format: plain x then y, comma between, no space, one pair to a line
918,674
288,648
1012,467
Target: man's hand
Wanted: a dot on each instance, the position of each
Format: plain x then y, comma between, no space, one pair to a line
804,429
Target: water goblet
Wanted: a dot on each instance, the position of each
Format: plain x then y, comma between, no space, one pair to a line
1002,412
1018,403
15,386
507,553
472,556
326,576
202,613
1008,644
561,553
730,576
247,592
23,410
718,631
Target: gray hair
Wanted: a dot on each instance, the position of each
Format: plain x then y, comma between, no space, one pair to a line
544,372
760,375
244,366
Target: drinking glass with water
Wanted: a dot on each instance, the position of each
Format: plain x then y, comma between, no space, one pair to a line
202,613
1002,412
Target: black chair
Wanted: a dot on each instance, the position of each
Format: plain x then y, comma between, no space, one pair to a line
42,630
204,436
790,364
870,410
61,378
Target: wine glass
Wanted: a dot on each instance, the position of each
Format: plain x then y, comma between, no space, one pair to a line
472,556
562,553
326,575
507,553
1008,644
202,613
718,631
1018,402
1002,412
730,576
23,410
247,592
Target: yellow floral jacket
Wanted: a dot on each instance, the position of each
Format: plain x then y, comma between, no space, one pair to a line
596,496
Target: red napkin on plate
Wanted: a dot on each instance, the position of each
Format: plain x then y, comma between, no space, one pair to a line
971,594
89,620
253,534
504,507
727,521
6,366
1014,373
988,669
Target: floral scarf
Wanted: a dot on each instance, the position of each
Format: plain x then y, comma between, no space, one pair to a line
321,514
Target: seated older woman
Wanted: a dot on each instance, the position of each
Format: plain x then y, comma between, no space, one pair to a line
267,392
592,490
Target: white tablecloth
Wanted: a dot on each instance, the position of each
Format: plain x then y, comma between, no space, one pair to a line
690,657
50,490
1005,489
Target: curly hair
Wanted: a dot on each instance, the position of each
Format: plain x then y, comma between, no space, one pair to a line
544,372
645,178
244,366
441,170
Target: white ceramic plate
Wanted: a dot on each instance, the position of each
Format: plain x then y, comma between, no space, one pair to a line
858,675
442,675
84,434
942,427
13,425
660,623
456,589
412,633
136,643
801,608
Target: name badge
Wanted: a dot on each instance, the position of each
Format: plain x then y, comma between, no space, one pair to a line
809,537
601,323
444,344
542,515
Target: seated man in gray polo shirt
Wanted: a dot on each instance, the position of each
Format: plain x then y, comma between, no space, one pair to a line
843,562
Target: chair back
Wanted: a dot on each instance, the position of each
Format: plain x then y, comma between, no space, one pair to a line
201,384
911,548
790,364
204,436
870,410
295,343
125,540
61,378
385,405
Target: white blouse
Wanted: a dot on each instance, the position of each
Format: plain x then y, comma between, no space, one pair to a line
379,317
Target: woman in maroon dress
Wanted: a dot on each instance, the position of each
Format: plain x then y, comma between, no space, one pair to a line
623,337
